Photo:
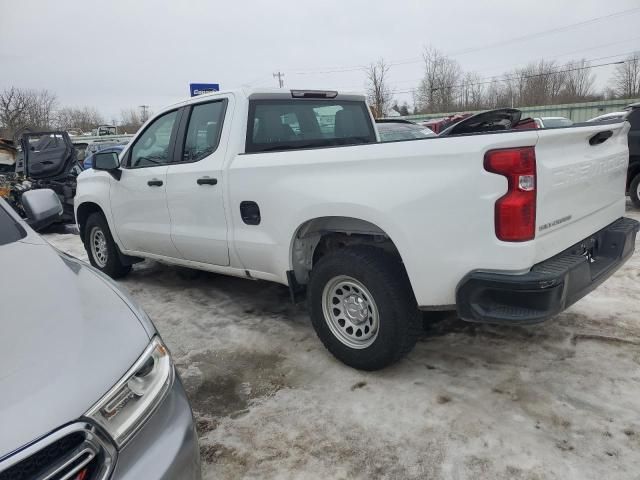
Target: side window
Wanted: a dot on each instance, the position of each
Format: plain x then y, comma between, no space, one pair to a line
203,130
152,148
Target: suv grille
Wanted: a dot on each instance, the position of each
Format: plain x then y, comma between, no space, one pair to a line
75,452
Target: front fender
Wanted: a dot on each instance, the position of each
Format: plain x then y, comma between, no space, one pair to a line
94,188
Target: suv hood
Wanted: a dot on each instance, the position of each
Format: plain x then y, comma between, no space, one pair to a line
67,337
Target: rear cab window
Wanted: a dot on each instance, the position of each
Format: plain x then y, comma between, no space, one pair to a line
299,123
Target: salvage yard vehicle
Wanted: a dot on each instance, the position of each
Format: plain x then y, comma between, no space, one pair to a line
510,226
392,130
553,122
89,390
497,120
47,160
630,114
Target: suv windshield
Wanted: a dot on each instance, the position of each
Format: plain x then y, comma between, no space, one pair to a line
10,231
291,124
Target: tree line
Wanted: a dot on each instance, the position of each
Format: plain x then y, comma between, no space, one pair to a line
446,87
38,110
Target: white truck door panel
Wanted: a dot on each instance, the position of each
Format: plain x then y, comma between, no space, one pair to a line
140,211
195,187
139,199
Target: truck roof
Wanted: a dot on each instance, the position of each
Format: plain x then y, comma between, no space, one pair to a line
271,93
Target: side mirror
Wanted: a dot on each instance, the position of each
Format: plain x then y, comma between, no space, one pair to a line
107,161
42,207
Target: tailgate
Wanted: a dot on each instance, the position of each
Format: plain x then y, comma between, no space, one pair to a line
581,181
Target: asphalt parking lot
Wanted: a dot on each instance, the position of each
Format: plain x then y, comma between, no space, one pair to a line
559,400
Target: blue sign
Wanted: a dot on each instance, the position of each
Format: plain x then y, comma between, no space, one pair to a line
200,88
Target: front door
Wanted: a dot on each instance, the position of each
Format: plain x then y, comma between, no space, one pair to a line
194,184
139,198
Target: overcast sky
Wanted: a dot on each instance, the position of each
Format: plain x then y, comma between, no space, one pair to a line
117,54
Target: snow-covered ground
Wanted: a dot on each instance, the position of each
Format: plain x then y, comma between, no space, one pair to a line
557,401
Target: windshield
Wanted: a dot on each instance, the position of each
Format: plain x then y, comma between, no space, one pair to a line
292,124
10,231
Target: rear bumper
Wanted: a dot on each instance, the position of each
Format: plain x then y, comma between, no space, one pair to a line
550,286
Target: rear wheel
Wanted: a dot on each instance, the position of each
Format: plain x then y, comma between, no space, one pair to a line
102,250
362,307
634,190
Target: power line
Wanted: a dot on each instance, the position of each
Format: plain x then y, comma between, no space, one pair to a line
519,77
476,49
548,32
502,75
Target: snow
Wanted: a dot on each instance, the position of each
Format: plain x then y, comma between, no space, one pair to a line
558,400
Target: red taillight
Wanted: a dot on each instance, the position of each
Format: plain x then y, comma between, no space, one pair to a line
515,212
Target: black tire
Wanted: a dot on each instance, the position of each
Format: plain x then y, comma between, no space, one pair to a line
112,265
399,324
634,190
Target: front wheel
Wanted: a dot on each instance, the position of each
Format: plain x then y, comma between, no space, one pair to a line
634,190
102,250
362,307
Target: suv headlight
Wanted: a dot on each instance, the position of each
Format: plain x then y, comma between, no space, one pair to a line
130,402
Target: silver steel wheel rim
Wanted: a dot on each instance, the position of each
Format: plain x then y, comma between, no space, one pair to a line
638,191
98,246
350,312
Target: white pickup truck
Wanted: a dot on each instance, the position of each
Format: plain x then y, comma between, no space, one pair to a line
505,226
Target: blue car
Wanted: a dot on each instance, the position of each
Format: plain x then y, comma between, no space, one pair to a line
114,148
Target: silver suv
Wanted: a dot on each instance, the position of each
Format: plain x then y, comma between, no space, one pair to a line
88,389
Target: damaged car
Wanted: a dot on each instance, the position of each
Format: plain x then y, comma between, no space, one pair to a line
501,119
46,160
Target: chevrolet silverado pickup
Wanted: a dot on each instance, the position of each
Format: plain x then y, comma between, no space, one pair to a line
503,225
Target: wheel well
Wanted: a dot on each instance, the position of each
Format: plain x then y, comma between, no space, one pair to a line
315,238
82,214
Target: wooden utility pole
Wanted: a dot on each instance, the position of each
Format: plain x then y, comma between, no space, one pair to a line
280,76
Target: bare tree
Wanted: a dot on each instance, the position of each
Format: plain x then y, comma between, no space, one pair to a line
22,109
378,92
83,118
627,77
130,120
579,80
472,92
439,90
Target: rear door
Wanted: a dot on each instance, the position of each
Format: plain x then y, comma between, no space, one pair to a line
581,179
194,183
139,198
